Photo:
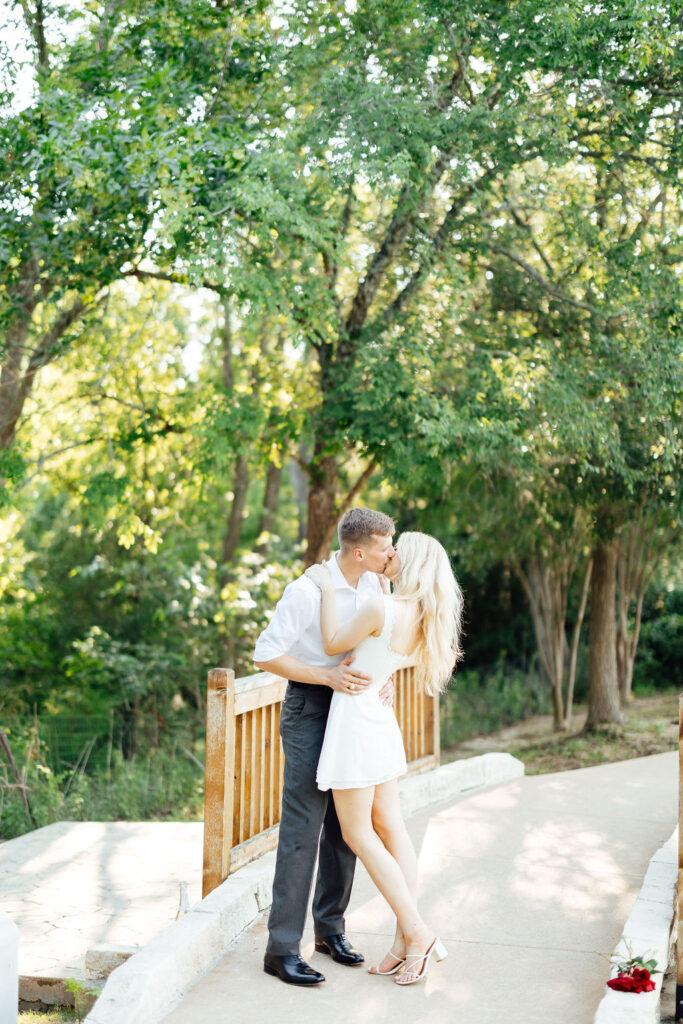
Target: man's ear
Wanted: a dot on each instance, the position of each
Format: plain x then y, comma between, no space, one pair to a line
358,554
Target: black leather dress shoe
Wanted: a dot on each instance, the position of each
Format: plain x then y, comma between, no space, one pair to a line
291,968
340,949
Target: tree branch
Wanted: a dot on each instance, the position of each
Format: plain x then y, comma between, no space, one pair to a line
646,216
552,290
34,23
524,224
363,478
172,278
408,205
437,242
221,80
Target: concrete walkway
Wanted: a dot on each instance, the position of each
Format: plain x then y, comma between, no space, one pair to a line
74,885
525,883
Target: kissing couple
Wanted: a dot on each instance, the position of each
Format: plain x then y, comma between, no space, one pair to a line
338,634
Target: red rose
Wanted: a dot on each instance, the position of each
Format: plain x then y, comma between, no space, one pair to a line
642,980
622,983
639,980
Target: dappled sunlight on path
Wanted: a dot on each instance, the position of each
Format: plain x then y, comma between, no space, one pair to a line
525,883
72,885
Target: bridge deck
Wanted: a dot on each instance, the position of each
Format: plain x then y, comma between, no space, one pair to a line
523,883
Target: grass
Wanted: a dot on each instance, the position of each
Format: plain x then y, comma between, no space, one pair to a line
57,1016
650,726
162,783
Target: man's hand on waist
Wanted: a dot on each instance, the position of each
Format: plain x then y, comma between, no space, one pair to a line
344,678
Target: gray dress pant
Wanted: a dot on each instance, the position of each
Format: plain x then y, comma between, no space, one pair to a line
308,828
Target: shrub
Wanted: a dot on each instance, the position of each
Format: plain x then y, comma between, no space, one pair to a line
483,700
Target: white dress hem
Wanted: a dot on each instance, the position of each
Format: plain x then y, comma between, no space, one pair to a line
346,784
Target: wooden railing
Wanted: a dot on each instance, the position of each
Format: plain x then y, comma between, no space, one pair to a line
245,762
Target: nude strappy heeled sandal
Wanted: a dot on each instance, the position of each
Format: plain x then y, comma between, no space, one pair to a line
409,976
399,964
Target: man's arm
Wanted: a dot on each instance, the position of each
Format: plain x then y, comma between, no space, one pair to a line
342,677
294,612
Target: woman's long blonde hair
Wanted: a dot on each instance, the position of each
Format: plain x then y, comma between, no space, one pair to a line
426,576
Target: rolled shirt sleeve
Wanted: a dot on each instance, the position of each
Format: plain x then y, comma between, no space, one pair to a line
296,610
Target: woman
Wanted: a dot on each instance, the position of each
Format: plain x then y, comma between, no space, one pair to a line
362,755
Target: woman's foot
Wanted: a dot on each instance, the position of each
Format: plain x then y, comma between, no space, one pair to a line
389,965
394,959
417,963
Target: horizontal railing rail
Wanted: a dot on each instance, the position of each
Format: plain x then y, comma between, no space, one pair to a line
245,762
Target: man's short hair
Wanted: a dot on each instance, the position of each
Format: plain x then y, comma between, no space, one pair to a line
359,524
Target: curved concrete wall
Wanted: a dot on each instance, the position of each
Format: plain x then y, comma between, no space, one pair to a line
9,970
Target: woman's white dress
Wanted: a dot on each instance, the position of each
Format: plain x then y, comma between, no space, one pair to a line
363,745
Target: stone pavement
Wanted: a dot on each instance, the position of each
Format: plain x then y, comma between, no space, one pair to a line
525,883
73,885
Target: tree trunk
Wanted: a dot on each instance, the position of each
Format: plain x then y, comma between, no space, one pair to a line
233,530
271,500
546,587
13,390
574,649
603,689
17,372
641,546
299,481
625,658
11,398
129,729
322,509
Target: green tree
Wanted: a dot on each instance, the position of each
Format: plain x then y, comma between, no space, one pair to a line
109,144
393,181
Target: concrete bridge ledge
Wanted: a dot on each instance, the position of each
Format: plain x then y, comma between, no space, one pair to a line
9,970
648,932
445,782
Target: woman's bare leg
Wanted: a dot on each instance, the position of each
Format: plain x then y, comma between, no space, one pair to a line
354,810
389,824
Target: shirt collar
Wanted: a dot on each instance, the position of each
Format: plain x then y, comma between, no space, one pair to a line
338,576
336,573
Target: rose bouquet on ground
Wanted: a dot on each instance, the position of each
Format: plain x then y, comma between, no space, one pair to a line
634,975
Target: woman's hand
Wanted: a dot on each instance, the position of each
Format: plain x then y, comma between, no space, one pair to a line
321,576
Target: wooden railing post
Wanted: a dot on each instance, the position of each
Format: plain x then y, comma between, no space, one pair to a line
219,788
679,893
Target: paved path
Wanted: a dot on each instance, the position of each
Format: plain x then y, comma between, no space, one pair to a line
73,885
523,882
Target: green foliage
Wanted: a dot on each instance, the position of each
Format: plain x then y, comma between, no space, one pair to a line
12,471
80,992
659,663
437,240
164,783
482,701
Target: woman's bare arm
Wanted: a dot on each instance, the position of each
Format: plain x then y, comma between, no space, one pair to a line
368,620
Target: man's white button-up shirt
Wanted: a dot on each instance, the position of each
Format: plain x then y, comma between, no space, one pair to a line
295,626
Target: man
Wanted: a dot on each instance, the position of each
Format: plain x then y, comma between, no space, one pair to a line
291,646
